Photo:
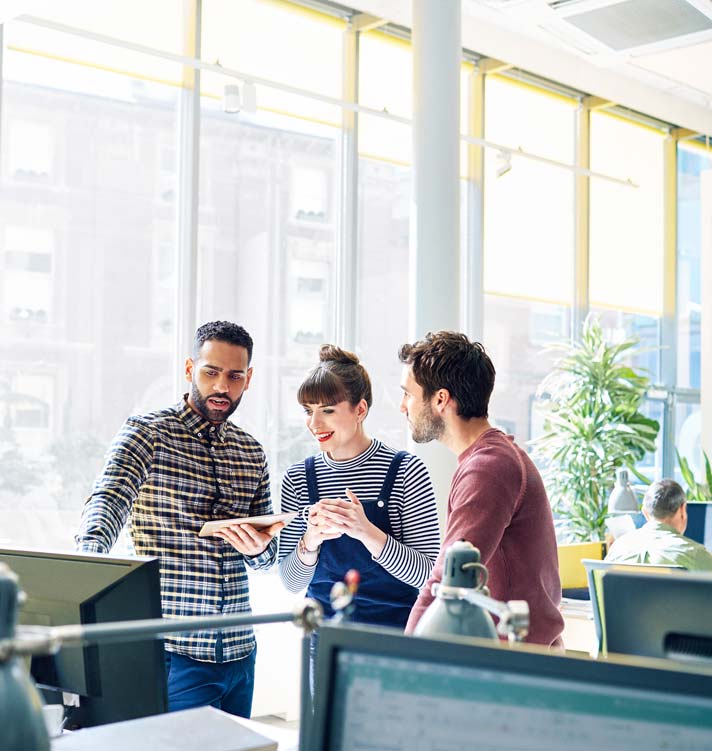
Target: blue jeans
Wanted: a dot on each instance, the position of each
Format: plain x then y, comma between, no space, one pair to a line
225,685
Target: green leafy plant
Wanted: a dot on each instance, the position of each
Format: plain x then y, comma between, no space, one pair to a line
592,426
696,491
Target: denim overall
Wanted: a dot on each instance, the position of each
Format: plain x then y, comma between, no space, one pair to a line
381,599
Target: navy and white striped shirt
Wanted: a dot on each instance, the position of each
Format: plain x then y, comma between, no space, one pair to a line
409,554
169,472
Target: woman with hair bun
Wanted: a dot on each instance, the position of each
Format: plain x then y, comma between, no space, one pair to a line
368,507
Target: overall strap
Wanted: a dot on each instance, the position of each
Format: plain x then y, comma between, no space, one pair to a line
312,488
387,486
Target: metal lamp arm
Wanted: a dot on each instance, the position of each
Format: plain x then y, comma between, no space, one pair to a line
48,640
513,616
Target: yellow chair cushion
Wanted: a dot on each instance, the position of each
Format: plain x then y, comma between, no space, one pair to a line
571,571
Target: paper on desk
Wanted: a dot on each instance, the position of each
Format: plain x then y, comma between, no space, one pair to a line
190,729
620,525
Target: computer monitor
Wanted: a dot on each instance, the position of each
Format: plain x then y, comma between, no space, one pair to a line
117,681
659,615
378,690
699,523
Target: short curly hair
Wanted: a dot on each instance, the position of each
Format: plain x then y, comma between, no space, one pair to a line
222,331
449,360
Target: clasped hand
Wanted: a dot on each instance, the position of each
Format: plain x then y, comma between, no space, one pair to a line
332,517
248,540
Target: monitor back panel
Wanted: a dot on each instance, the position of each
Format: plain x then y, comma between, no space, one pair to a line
659,615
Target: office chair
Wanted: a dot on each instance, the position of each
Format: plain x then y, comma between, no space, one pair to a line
574,581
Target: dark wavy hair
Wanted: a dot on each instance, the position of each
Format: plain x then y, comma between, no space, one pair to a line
338,377
449,360
222,331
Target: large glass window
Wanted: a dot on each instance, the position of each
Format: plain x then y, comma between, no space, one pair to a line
382,301
157,25
692,161
528,261
688,436
393,93
626,230
87,257
268,208
280,42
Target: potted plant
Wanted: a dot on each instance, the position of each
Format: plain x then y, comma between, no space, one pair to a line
696,491
592,426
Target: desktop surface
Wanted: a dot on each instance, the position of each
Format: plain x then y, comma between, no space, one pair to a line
402,693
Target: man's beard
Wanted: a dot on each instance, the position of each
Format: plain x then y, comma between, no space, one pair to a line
429,426
213,415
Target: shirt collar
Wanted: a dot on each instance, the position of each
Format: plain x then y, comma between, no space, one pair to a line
196,423
657,524
356,461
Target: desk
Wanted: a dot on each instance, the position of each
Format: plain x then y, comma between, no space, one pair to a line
579,630
203,728
287,739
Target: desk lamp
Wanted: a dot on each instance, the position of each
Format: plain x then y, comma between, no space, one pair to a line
622,499
21,719
462,604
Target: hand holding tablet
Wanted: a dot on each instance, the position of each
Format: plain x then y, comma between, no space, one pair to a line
258,522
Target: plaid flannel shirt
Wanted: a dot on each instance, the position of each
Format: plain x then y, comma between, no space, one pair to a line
168,473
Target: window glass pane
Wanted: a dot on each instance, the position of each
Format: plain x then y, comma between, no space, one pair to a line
688,439
618,326
279,42
386,74
268,216
529,206
466,77
90,55
27,273
523,117
516,334
379,138
651,465
382,289
626,224
87,256
692,162
157,24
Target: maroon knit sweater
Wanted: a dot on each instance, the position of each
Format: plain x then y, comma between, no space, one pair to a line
498,503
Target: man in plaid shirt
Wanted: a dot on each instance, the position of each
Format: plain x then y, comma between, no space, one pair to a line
168,473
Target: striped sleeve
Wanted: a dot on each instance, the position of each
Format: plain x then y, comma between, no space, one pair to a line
127,465
295,574
411,558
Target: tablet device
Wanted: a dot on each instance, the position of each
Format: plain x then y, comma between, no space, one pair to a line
258,522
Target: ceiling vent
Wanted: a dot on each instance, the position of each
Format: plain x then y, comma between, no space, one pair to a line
634,23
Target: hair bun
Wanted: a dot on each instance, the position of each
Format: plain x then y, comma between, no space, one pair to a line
332,353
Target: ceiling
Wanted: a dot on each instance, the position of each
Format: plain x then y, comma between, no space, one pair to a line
651,55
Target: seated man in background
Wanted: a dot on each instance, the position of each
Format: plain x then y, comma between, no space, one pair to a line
661,540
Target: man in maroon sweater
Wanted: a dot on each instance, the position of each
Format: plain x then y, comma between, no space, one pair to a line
497,498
